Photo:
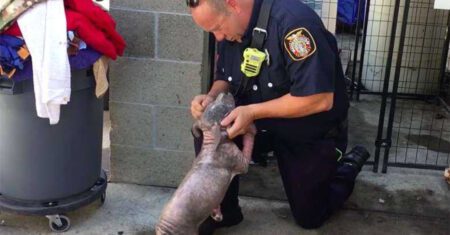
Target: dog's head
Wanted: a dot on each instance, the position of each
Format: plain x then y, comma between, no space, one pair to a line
218,109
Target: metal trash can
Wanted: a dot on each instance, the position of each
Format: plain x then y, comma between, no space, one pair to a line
51,169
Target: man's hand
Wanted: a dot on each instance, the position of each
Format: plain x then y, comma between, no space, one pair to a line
241,119
199,104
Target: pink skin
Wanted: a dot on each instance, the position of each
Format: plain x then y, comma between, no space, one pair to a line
205,185
200,193
248,143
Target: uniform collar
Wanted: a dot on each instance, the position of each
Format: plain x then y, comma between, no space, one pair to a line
253,20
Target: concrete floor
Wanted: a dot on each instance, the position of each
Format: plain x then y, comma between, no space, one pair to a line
133,209
400,202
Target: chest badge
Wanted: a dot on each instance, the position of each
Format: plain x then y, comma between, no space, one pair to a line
299,44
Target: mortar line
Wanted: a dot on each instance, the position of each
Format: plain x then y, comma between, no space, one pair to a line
156,35
154,127
150,105
149,11
152,148
163,60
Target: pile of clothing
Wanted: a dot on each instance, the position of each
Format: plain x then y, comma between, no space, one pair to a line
44,39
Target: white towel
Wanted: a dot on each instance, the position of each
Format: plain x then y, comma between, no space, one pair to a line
44,30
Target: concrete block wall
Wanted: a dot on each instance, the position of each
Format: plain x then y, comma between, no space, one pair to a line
151,89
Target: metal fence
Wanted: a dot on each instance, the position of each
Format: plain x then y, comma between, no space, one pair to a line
398,49
418,127
400,52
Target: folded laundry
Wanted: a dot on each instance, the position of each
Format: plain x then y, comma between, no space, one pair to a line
13,53
82,60
85,29
101,19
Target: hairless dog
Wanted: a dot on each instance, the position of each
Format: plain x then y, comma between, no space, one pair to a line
203,188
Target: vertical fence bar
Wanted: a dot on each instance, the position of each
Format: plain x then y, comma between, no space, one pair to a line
355,53
442,91
363,46
379,141
395,86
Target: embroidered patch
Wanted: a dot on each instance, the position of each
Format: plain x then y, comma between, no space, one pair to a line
299,44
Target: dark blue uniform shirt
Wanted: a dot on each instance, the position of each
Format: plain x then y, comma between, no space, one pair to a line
297,72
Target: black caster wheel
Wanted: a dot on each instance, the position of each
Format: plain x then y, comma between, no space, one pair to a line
59,223
103,198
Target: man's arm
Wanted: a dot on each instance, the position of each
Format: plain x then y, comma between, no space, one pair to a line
287,106
218,87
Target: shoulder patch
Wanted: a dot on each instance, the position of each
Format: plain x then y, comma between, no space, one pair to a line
299,44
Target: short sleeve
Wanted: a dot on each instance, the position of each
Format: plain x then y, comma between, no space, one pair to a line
311,60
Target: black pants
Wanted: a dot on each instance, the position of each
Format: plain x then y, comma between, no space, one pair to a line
316,185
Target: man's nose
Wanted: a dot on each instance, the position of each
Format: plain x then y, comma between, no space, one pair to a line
219,36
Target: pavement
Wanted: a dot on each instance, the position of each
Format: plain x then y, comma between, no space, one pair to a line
422,207
400,202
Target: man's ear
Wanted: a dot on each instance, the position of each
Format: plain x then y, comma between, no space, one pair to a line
233,5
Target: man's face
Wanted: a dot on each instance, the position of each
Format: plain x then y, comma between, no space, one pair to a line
224,25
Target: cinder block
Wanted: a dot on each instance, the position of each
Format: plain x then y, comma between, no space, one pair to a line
149,167
126,75
179,38
175,6
173,128
171,83
138,30
154,82
131,124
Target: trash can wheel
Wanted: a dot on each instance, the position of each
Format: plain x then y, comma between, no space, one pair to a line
103,198
58,223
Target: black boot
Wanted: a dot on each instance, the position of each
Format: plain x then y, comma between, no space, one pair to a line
356,157
230,218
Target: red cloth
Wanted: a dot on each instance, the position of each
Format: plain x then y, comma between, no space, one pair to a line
100,19
13,30
90,34
98,32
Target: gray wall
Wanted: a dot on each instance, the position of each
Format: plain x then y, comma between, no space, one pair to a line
151,89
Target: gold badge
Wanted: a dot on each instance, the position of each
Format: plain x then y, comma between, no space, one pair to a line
299,44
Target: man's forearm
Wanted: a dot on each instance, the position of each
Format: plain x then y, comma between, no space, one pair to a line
289,106
218,87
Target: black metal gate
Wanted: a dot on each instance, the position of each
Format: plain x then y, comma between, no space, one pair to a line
403,59
418,127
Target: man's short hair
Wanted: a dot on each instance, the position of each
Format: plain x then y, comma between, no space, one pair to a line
219,5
